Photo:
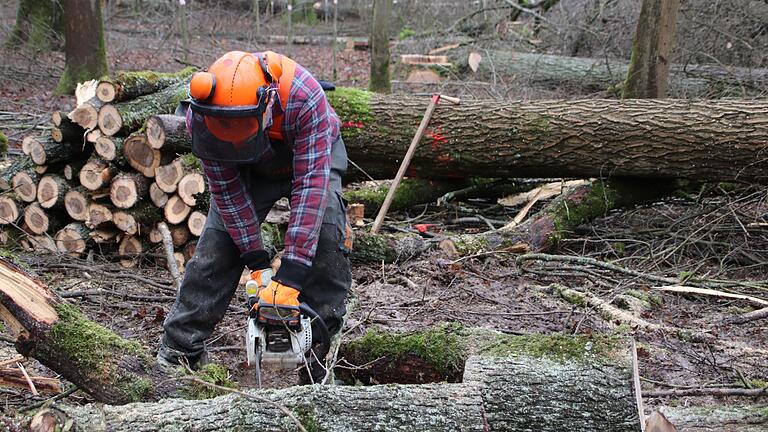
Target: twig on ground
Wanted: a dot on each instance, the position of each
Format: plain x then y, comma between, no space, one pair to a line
708,392
168,247
26,377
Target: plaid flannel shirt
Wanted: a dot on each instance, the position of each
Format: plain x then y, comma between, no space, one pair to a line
310,127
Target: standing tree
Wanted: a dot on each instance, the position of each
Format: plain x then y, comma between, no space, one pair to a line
649,65
382,10
85,47
39,23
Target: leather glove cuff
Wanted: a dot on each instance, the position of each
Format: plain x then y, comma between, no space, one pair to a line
256,259
291,273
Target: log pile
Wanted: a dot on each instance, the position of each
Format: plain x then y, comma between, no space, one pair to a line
106,171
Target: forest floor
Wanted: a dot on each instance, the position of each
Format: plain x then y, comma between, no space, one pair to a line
713,235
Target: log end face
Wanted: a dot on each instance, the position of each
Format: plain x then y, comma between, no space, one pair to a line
109,120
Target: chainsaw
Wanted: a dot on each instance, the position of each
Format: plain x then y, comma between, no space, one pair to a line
285,337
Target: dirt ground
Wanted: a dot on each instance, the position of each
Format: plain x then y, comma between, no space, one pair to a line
711,235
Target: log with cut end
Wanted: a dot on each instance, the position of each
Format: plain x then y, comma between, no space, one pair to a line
126,117
109,148
196,222
57,334
39,244
72,170
51,190
591,74
87,114
10,209
705,140
127,189
140,156
9,171
93,136
168,176
155,236
24,184
157,196
176,210
67,130
131,84
189,249
38,221
96,174
180,235
105,236
99,215
168,131
190,186
73,239
76,203
131,246
138,220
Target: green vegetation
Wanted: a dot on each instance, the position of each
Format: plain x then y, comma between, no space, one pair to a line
550,346
308,418
352,105
3,144
210,373
405,33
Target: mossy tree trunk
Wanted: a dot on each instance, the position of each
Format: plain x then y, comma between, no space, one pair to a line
85,46
382,11
649,65
709,140
39,24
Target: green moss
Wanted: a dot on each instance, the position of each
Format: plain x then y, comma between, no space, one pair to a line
3,144
149,76
214,374
352,105
442,347
539,125
410,192
405,33
191,161
373,248
646,297
551,346
138,389
469,244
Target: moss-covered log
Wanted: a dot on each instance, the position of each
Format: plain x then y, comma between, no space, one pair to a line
126,117
131,84
98,361
601,75
709,140
569,383
410,192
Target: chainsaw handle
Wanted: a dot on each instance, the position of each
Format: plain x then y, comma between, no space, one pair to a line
325,338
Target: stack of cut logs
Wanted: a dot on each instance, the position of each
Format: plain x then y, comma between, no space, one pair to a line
108,173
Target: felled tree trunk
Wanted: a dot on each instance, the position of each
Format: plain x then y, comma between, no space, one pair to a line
410,192
569,383
128,85
126,117
708,140
108,367
595,75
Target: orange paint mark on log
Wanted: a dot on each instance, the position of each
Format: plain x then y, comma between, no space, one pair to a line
352,125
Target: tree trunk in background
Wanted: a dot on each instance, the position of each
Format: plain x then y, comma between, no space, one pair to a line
39,23
85,46
707,140
649,65
382,10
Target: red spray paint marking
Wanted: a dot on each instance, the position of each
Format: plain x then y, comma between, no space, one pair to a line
352,125
437,138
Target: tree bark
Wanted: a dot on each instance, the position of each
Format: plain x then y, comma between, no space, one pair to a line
110,149
382,12
39,221
46,151
706,140
38,24
125,117
66,130
410,192
8,172
128,85
138,220
85,47
649,66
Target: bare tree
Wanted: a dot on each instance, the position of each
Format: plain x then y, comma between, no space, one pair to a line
382,10
39,23
85,47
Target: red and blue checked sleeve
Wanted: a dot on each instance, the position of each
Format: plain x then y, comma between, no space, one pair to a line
234,204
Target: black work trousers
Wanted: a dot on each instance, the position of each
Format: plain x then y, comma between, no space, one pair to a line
212,275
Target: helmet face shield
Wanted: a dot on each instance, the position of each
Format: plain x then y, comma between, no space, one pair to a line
236,134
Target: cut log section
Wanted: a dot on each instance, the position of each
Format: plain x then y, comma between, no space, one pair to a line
157,196
109,148
10,171
76,203
51,191
176,210
10,209
24,184
67,130
168,131
105,235
45,151
39,244
39,222
93,136
131,246
99,215
191,185
139,220
73,239
583,138
196,222
155,236
126,117
128,85
180,235
189,249
127,189
72,170
96,174
140,156
168,176
87,114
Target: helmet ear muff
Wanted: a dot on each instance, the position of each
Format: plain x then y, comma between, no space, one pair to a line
202,86
265,70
